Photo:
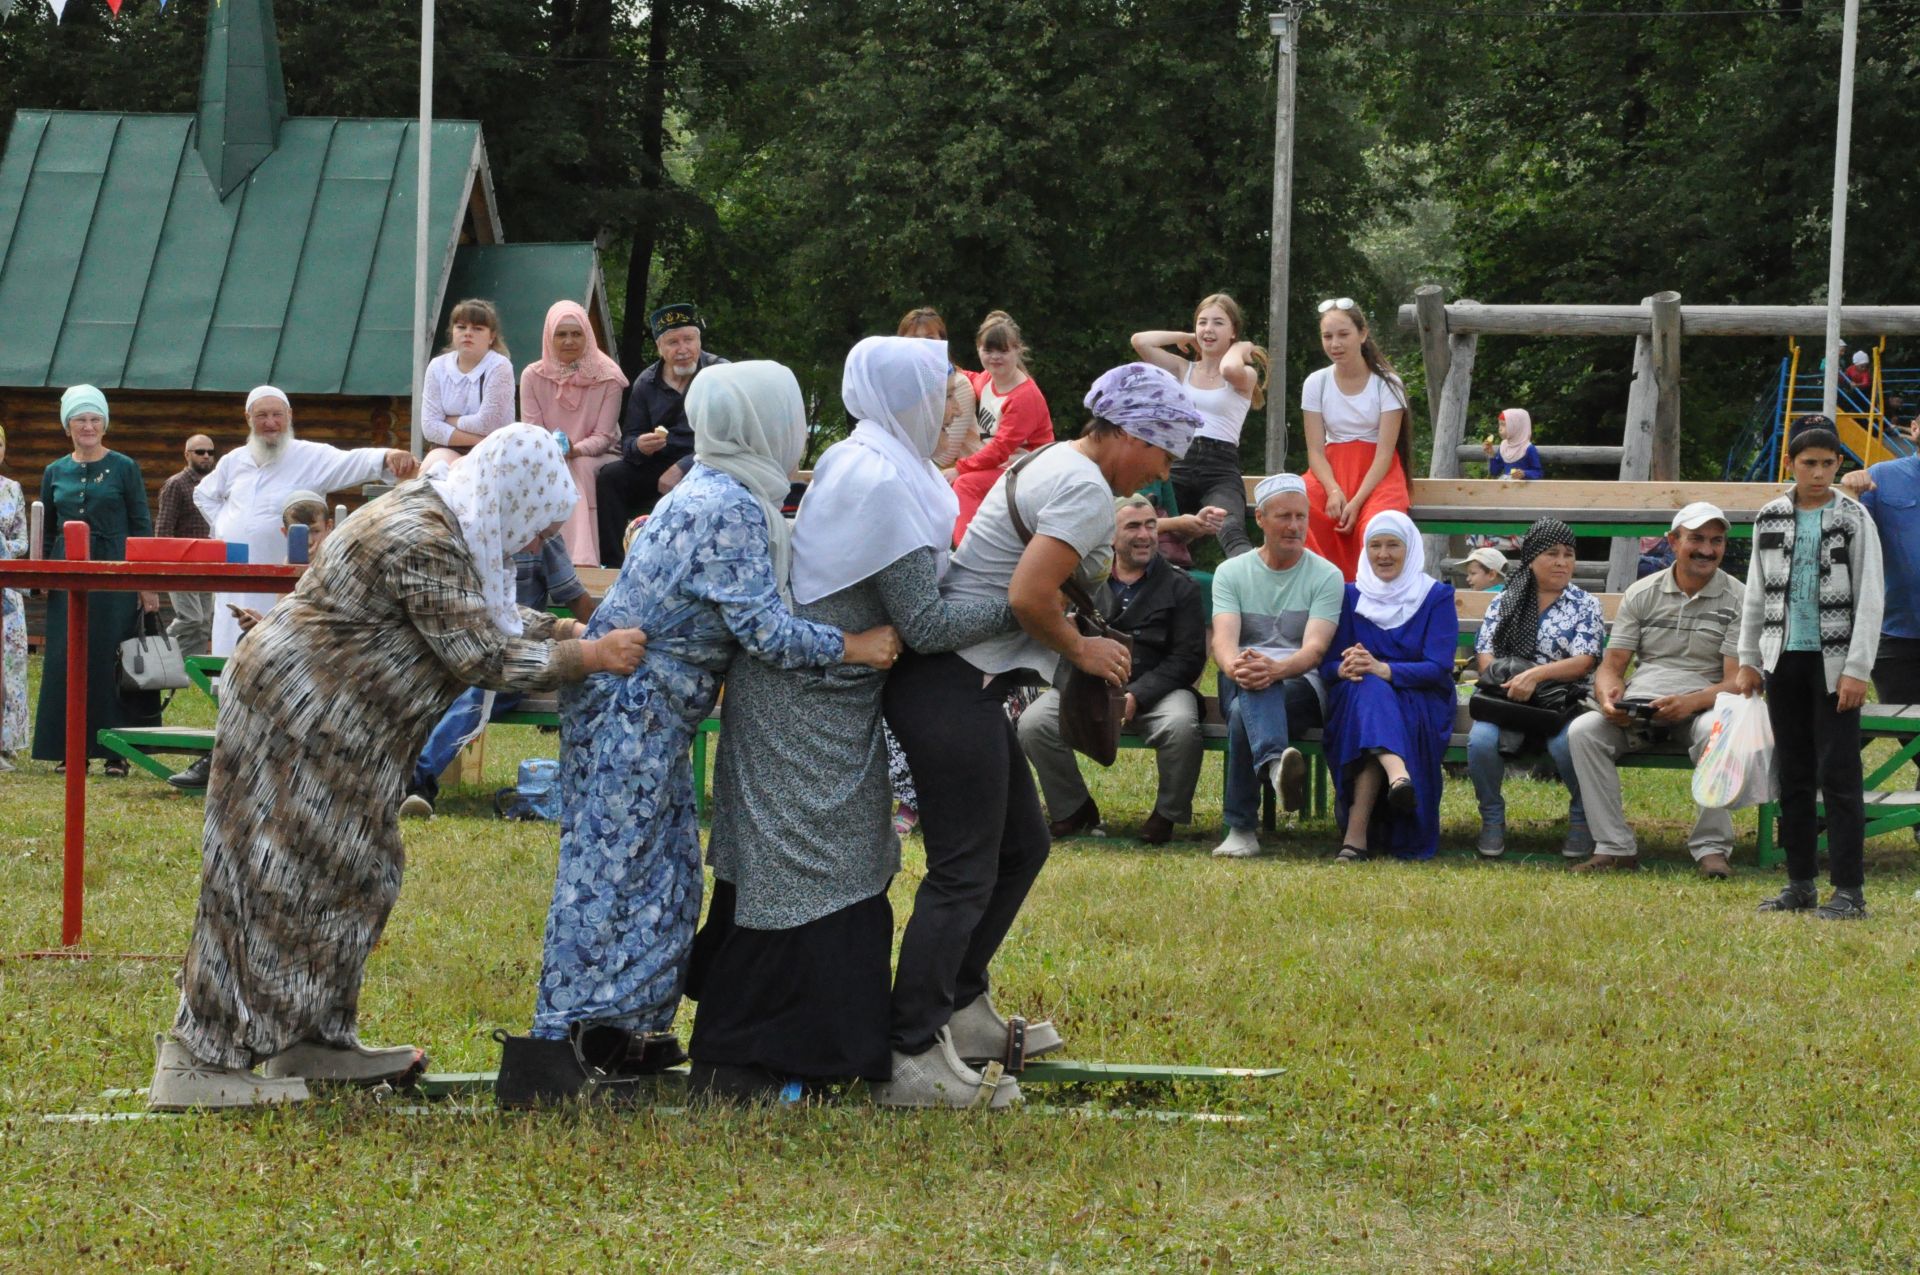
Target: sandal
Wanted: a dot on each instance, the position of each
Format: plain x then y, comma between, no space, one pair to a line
1352,854
116,768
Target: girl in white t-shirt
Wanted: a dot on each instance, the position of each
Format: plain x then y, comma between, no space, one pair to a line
1226,377
468,392
1358,448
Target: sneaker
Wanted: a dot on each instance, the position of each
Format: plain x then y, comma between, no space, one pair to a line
1288,775
1240,843
351,1065
936,1077
1579,844
1798,896
1713,866
182,1082
416,806
1493,840
1843,905
979,1034
194,776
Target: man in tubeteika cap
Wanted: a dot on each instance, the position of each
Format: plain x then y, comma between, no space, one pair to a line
1680,630
654,433
242,498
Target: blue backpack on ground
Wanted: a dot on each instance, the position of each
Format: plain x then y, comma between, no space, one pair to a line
536,796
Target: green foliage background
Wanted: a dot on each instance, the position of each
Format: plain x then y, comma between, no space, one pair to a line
1095,166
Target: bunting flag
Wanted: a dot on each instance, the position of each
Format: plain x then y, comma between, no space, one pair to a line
115,6
59,9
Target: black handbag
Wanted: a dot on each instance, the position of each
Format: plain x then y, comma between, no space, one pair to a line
1541,716
1092,709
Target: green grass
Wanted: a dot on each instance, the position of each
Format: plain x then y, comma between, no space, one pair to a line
1489,1068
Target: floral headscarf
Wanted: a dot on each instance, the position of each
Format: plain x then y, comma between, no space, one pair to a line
512,486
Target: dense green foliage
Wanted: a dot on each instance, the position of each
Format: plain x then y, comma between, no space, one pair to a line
1095,166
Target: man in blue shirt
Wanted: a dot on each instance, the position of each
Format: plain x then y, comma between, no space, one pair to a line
1891,493
544,578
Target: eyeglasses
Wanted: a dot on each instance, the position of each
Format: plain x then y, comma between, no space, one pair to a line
201,451
1337,303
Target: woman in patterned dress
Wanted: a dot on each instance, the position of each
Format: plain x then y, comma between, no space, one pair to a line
706,579
13,621
1557,627
407,604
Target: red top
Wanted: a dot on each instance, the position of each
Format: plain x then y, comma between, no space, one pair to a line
1025,424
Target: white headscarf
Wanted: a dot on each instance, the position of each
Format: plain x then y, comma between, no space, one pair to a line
512,486
1391,603
876,497
749,423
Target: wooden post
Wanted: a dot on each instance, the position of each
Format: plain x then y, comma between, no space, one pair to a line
1430,310
1636,458
1449,416
1665,458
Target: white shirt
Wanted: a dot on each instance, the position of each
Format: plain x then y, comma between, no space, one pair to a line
1350,418
242,503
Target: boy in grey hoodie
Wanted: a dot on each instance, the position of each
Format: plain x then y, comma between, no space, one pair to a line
1809,631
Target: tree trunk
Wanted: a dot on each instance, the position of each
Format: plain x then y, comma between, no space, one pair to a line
653,128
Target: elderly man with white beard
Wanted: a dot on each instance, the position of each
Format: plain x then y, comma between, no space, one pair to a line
243,496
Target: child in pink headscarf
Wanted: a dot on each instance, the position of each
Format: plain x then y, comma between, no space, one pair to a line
1513,454
577,390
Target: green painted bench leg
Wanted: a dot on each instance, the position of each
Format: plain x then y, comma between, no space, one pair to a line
1319,785
1769,854
120,747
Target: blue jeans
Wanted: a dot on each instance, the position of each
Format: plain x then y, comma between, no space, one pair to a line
1258,731
1488,768
455,725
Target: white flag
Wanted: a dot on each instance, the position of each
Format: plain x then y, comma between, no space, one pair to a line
59,9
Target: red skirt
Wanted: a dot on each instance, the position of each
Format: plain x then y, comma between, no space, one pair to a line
1350,463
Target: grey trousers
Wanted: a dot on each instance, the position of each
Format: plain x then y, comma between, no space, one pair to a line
1597,746
192,625
1171,728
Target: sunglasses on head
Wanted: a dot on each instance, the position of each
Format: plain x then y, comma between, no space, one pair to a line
1337,303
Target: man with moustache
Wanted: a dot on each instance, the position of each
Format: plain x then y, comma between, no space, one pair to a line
654,434
179,518
1157,606
1680,629
243,497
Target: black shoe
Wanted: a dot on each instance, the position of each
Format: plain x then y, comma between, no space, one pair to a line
650,1053
1845,905
1798,896
194,776
1085,819
1157,830
1401,798
537,1073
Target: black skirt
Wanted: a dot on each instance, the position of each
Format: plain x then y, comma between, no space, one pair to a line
811,1002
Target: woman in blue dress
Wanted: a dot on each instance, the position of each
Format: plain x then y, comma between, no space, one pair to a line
1390,699
706,580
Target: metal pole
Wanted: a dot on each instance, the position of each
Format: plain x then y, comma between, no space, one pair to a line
422,330
1282,25
1837,249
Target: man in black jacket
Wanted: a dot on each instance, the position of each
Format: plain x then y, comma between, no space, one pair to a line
1162,610
654,433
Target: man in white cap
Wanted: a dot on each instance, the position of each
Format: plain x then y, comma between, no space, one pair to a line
1680,630
242,498
1274,613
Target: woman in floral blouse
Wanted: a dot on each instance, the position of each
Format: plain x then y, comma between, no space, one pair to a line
1554,624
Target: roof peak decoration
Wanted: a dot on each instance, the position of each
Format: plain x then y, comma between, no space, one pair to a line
243,93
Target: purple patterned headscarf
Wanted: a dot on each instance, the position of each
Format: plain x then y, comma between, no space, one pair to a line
1147,403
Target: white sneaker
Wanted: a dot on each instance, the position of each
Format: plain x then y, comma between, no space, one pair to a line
937,1078
416,807
1240,843
6,763
357,1065
1288,775
980,1033
182,1082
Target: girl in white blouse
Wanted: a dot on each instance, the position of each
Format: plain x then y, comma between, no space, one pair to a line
469,389
1358,449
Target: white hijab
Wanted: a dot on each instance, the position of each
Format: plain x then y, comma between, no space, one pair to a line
512,486
1391,603
876,497
749,423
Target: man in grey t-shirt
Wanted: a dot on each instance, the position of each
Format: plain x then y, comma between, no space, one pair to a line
1682,625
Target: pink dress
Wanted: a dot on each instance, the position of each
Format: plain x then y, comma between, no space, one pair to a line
593,429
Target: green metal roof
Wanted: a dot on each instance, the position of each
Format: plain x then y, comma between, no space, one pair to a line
523,279
119,264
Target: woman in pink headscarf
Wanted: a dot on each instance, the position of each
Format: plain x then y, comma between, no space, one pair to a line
577,390
1513,455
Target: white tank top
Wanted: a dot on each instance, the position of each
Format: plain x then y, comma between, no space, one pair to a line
1223,409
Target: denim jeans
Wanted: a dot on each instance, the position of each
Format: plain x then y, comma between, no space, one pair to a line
1259,729
1488,768
458,724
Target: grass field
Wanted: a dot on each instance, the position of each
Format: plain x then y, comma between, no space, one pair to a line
1488,1068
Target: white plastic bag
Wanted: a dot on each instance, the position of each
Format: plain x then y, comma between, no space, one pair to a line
1737,768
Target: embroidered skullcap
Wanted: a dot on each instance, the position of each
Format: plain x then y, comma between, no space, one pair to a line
82,398
302,497
681,314
1277,485
1147,403
266,391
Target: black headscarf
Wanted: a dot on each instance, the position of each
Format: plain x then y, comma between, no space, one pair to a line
1519,629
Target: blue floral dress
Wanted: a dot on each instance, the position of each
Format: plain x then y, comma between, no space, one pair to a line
699,580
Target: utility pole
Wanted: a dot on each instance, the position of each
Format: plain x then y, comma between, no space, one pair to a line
1837,246
422,321
1283,24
